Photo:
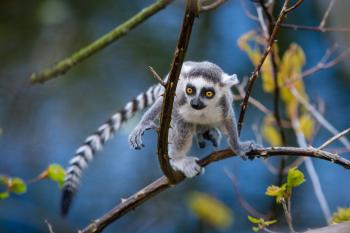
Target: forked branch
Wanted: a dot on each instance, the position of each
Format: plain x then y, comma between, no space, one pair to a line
163,183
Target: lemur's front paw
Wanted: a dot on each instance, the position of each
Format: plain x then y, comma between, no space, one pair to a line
135,137
246,147
187,165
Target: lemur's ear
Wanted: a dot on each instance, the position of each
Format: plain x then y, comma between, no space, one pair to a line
230,80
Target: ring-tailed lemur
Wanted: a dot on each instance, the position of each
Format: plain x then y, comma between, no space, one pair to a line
202,107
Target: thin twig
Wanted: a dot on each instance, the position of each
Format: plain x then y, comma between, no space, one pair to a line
49,226
156,76
163,183
254,75
318,116
335,137
321,65
314,28
276,96
310,168
192,11
295,26
252,100
296,5
287,215
66,64
244,203
211,6
326,14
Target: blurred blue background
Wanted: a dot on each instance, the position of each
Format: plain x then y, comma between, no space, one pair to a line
44,124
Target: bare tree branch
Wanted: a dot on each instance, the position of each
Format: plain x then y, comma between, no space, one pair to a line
318,116
295,26
288,215
326,14
66,64
156,76
49,226
310,168
244,203
335,137
163,183
214,4
254,75
192,11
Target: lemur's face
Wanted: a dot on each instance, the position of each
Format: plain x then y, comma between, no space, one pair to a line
203,84
200,93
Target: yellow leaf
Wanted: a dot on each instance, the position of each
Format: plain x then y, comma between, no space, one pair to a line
273,191
210,210
270,133
254,55
307,126
290,68
342,215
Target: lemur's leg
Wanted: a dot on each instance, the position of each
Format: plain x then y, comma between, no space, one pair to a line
146,123
207,133
229,128
180,139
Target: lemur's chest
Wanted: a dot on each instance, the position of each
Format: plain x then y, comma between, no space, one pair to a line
208,115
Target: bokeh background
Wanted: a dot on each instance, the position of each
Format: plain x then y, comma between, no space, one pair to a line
44,124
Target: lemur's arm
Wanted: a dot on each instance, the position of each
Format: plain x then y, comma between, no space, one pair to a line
231,131
146,123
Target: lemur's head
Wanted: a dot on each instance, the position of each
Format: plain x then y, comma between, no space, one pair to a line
204,83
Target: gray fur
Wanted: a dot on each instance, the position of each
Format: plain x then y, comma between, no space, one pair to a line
188,121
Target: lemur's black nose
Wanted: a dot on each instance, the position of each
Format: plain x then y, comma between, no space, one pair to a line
197,104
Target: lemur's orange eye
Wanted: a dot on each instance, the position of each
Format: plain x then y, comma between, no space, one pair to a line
189,90
209,94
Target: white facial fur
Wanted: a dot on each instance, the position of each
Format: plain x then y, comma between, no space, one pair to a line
212,112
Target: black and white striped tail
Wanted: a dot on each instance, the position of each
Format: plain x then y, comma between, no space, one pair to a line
94,143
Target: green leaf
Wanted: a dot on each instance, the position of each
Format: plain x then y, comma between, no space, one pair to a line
273,191
268,223
255,229
295,177
17,185
342,215
254,220
278,192
56,173
210,210
4,195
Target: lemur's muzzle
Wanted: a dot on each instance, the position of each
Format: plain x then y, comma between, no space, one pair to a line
197,104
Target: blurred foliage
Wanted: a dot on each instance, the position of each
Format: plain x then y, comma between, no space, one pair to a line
269,131
12,185
261,224
294,179
307,126
210,210
17,186
342,215
56,173
289,76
